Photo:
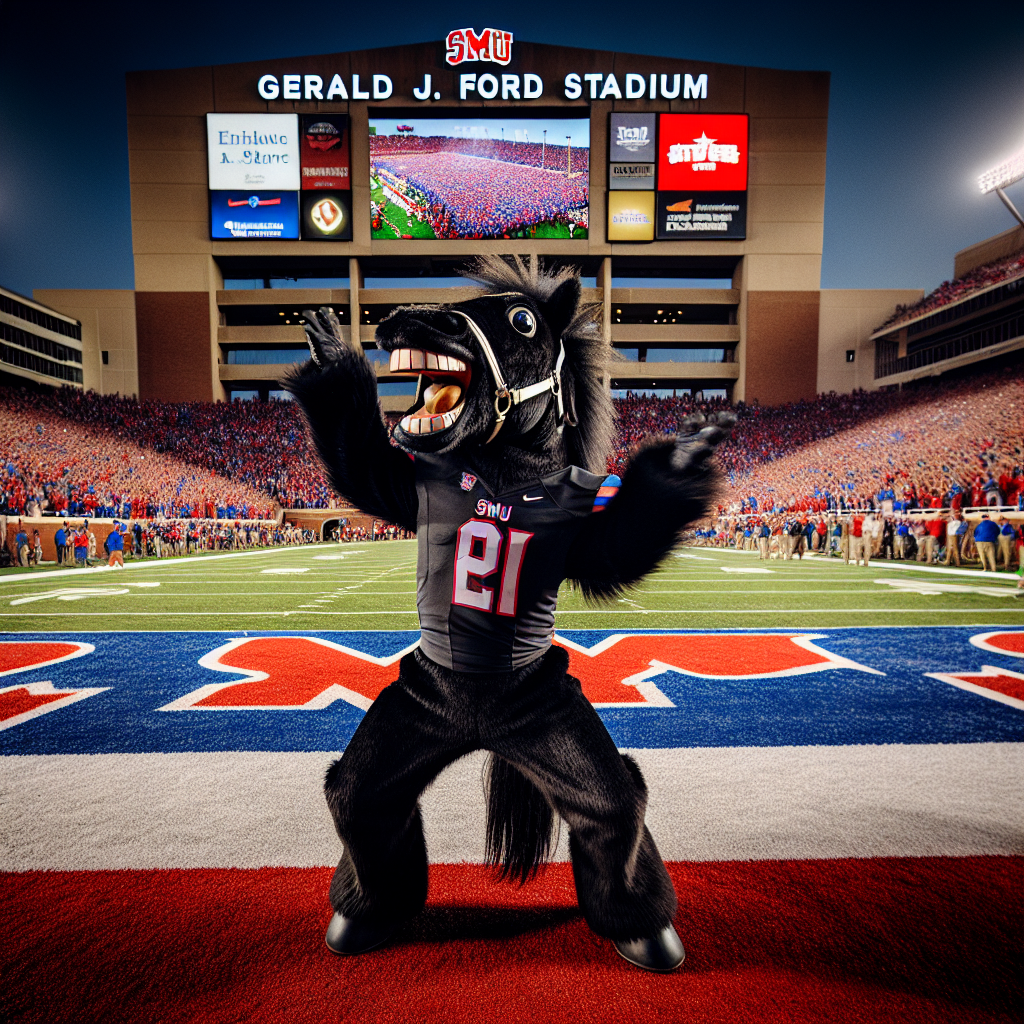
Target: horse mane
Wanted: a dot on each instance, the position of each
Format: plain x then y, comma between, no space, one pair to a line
588,444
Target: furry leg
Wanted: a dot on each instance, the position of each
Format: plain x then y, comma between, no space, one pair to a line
551,733
372,792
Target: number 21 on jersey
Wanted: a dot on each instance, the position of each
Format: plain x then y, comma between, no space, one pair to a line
477,556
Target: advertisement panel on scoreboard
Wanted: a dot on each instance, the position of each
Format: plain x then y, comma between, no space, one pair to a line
253,151
263,214
324,151
631,216
631,138
706,152
691,216
477,177
326,215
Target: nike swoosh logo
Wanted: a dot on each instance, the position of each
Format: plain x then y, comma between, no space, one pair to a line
526,497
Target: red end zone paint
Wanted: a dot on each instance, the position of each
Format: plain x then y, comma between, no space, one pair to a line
1000,684
19,703
916,940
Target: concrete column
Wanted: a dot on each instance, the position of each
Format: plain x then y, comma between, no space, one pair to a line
604,281
355,286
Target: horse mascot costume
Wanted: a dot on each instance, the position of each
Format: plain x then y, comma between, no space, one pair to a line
500,470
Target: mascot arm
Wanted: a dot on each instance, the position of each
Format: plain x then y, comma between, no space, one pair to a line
337,390
668,483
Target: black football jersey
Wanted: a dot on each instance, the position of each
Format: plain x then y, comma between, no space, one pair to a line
489,565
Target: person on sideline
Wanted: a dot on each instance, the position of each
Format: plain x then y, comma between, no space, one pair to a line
115,542
985,534
954,528
1006,539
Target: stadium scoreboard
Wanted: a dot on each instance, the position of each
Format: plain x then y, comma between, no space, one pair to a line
518,173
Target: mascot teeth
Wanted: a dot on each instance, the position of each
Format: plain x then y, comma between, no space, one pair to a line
442,399
417,359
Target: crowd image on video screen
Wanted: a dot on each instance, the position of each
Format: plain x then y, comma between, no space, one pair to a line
509,177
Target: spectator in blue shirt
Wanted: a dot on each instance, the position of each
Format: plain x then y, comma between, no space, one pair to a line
1007,535
985,535
60,538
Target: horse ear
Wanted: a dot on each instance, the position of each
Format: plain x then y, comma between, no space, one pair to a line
560,308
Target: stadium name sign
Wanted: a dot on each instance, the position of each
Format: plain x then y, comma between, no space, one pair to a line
492,45
597,85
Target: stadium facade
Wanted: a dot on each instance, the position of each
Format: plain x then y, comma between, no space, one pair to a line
222,218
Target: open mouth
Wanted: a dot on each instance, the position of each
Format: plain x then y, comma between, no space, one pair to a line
442,391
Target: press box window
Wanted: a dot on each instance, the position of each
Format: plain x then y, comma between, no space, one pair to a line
850,353
106,357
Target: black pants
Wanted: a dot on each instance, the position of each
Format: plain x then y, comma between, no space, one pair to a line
538,720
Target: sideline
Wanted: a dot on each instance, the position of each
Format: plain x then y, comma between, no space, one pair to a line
995,577
159,563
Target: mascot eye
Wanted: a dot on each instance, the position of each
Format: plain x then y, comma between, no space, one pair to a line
522,320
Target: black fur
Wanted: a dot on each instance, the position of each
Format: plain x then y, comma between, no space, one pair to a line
519,823
622,885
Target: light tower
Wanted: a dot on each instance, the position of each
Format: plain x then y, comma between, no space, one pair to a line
1007,173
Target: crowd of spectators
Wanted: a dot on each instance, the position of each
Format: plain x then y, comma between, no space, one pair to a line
992,540
253,453
956,443
464,196
952,291
53,463
943,443
85,543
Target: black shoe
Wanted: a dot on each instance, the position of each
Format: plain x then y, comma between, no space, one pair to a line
349,938
662,952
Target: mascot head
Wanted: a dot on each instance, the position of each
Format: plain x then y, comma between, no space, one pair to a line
520,365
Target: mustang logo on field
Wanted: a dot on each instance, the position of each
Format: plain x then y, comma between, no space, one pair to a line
22,701
310,673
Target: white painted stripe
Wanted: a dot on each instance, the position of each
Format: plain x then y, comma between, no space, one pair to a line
107,811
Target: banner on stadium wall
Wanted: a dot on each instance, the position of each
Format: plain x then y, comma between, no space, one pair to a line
693,216
631,216
253,151
326,215
254,214
324,151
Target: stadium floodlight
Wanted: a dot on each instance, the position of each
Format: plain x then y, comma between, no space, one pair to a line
1002,175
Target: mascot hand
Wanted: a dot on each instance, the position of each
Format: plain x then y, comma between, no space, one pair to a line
326,340
700,437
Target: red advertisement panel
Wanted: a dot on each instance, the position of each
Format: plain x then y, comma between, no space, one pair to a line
705,152
323,151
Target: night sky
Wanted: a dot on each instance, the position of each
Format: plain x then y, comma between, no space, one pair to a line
924,97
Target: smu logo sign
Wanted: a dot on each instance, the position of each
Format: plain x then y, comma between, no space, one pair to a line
291,673
492,44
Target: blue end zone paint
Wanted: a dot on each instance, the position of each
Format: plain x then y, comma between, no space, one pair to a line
836,707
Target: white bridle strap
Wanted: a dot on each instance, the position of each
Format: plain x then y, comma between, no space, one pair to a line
515,396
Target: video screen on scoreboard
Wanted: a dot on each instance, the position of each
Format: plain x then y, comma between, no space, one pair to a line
471,178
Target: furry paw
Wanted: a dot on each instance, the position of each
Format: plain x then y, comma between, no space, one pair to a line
702,437
325,338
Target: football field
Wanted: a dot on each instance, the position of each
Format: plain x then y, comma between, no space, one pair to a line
832,755
373,587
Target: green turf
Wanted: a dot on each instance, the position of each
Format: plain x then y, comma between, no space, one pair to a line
373,586
398,217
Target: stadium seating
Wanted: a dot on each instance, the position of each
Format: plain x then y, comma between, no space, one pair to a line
953,291
930,440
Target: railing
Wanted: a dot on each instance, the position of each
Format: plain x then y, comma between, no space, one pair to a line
887,364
